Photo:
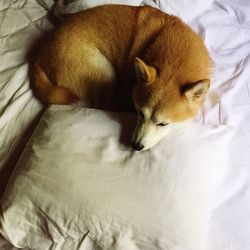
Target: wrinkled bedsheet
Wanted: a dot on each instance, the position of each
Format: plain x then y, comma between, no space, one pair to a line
226,31
79,186
18,108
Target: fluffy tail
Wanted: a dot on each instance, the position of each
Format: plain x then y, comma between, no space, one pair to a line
45,91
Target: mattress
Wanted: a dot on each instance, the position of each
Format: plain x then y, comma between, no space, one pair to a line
225,28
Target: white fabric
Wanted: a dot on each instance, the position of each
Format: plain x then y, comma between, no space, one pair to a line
77,178
185,9
21,24
62,7
225,29
5,245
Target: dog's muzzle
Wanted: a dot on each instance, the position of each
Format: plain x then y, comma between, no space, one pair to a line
137,146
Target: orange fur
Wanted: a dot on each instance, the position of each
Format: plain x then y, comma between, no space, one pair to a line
92,54
49,93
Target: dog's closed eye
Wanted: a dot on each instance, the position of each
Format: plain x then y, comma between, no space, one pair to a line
141,115
162,124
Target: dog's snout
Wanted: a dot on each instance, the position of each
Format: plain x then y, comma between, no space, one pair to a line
137,146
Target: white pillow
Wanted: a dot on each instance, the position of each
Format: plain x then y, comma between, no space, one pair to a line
77,186
185,9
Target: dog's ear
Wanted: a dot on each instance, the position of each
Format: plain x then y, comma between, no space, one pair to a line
195,92
144,72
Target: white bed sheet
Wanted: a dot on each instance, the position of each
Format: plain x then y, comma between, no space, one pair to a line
21,22
226,30
5,245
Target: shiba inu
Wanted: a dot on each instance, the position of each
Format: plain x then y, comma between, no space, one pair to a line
113,55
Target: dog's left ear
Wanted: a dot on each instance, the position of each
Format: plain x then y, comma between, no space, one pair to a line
196,91
144,72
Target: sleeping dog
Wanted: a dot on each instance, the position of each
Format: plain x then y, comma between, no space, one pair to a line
139,55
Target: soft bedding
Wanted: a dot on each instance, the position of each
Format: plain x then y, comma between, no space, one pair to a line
77,179
226,31
186,9
21,23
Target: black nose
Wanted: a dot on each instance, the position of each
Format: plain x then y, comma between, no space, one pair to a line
137,146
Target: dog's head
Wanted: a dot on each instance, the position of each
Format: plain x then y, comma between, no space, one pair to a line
161,105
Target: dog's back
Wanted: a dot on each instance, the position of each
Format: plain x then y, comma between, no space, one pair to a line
91,55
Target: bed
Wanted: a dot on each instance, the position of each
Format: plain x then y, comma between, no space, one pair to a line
127,200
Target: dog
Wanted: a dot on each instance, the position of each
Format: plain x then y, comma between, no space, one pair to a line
116,56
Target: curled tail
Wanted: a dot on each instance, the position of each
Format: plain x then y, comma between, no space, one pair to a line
49,93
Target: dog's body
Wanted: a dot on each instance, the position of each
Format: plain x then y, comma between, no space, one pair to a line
105,55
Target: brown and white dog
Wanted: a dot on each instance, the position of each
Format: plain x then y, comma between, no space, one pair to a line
115,54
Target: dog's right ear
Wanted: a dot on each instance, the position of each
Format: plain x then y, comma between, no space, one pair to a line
195,92
144,72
